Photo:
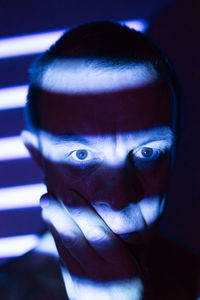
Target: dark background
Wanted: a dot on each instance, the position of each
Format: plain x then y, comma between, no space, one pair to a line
174,25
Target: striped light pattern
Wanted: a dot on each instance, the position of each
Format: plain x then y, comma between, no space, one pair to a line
17,245
39,42
28,44
13,97
139,25
21,196
12,148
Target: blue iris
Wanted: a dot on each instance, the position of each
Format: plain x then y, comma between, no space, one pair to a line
81,154
149,153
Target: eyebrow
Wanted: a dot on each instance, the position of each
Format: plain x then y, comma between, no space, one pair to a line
162,135
158,134
70,137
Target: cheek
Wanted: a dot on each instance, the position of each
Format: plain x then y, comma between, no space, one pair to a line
61,178
155,180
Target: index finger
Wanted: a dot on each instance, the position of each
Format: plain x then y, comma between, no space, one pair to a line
98,234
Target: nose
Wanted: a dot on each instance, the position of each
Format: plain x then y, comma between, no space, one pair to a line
118,188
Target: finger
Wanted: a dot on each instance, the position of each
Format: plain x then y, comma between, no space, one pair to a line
100,262
99,283
65,257
95,230
69,239
99,235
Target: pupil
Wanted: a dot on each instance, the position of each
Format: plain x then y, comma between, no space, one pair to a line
81,154
147,152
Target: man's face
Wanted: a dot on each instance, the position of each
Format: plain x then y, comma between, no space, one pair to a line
109,145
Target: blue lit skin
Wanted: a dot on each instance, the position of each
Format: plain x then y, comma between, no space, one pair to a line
121,109
94,175
109,181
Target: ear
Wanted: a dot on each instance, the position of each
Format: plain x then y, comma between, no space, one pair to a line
32,144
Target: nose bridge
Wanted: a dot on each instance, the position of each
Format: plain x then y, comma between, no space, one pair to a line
120,187
116,154
121,147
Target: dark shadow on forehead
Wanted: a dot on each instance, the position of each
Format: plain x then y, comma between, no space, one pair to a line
105,113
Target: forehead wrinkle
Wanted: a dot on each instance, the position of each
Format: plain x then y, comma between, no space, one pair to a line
135,137
157,133
113,154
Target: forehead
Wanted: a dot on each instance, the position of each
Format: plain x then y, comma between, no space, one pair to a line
91,76
102,101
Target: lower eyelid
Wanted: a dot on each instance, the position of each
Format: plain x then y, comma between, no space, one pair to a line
156,154
92,157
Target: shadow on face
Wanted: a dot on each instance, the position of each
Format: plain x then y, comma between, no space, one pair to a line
109,140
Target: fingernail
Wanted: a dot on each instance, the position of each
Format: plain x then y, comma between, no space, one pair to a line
44,202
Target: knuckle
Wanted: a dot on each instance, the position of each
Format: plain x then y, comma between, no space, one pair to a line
71,240
97,234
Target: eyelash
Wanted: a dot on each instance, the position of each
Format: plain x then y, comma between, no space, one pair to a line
137,154
91,156
80,152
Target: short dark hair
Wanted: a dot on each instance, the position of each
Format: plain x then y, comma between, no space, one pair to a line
107,40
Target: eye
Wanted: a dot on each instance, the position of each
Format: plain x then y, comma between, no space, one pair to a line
147,153
83,156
